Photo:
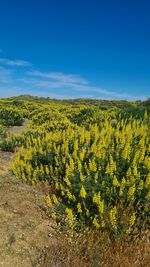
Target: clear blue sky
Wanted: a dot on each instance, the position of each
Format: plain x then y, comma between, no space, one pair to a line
72,48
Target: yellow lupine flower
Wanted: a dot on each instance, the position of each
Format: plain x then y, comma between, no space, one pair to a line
81,177
131,223
79,166
56,202
67,181
132,220
96,198
147,162
56,186
95,223
126,152
81,156
47,170
135,171
75,154
72,165
42,170
128,173
92,166
131,192
82,193
75,145
112,216
70,196
115,182
141,185
69,213
147,182
48,201
79,208
101,207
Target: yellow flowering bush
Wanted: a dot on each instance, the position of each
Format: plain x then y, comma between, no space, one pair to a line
98,166
11,116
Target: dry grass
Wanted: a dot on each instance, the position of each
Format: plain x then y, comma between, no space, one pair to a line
95,250
4,162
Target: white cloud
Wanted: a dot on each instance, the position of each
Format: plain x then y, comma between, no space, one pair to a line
17,62
53,80
59,76
101,91
52,84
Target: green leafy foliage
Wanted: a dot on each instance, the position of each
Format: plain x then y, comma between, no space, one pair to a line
10,116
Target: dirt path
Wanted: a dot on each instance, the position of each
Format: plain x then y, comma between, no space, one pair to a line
24,225
19,129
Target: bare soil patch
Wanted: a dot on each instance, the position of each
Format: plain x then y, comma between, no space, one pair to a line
19,129
24,225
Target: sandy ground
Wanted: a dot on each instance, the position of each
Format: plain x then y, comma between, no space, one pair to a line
24,226
19,129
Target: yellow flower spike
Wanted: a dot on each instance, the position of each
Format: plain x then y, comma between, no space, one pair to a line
147,163
147,182
70,196
131,192
96,198
132,220
56,186
81,177
48,201
75,145
79,166
96,224
112,216
101,207
82,193
141,185
92,166
131,223
47,170
67,181
55,200
72,165
79,208
69,213
81,156
115,182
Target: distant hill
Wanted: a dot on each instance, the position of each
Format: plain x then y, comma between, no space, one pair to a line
81,101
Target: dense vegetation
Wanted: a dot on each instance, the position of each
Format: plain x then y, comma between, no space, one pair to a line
95,156
10,116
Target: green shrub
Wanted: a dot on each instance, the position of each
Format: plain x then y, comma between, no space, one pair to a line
2,132
10,144
10,116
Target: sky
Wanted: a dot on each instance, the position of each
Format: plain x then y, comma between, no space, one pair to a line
73,49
